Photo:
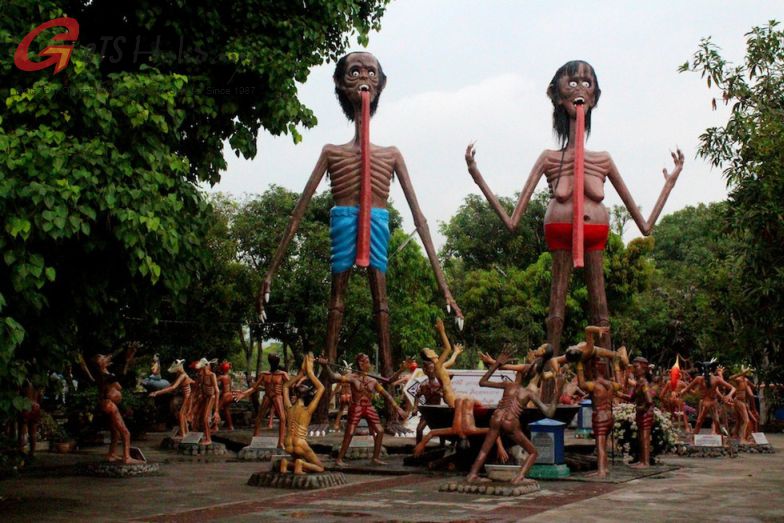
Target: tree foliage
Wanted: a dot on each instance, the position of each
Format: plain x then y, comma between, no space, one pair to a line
102,217
750,150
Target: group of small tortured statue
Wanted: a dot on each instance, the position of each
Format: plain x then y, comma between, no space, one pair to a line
359,78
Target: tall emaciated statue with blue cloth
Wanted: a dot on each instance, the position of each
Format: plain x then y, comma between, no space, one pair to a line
360,175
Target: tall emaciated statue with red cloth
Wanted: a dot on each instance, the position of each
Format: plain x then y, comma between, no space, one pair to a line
576,222
360,175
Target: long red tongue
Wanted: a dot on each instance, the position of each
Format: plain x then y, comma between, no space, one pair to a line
363,228
578,233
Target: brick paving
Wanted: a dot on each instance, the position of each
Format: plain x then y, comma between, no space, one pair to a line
747,488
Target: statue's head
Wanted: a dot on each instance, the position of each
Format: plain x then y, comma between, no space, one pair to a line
641,367
429,368
363,362
177,367
304,391
225,367
600,367
429,354
102,361
574,83
274,361
356,72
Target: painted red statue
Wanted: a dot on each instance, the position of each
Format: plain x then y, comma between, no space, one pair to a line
109,398
506,418
671,399
226,394
30,418
360,174
576,222
643,395
207,409
710,387
363,388
343,392
746,417
272,381
183,383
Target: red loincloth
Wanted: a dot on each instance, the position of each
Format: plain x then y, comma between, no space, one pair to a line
601,422
559,236
363,409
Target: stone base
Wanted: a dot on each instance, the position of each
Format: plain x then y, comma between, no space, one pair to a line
259,454
361,452
695,451
549,471
109,469
291,481
753,448
490,489
170,443
213,449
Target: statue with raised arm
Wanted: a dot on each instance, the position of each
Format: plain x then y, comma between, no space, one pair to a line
642,396
506,418
743,403
109,398
442,362
360,175
709,387
576,222
298,418
272,381
363,387
183,382
602,389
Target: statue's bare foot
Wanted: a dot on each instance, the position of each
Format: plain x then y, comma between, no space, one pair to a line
205,442
112,457
130,461
473,478
340,463
522,480
639,465
377,461
597,474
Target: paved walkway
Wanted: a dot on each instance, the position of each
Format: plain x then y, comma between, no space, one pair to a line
748,488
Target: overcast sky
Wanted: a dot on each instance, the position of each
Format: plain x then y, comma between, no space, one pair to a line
460,71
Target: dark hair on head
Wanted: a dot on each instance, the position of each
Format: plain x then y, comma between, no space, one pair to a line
560,116
274,361
306,391
345,103
359,357
540,362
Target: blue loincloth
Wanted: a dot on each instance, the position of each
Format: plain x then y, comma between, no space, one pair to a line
343,233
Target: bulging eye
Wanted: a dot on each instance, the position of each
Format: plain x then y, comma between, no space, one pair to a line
572,84
354,73
586,84
372,74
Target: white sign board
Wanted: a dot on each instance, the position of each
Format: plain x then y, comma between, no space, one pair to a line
192,438
708,440
465,383
263,442
545,446
759,438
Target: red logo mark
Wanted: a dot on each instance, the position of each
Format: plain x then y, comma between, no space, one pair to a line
58,55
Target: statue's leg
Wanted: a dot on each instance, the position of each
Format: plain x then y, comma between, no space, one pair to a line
337,307
378,289
281,412
266,402
562,269
492,434
519,438
597,297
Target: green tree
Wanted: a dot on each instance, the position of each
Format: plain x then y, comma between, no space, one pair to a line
750,149
477,236
102,216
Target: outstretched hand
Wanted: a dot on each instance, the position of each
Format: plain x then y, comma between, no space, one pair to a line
503,358
677,157
263,297
470,157
451,305
486,358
